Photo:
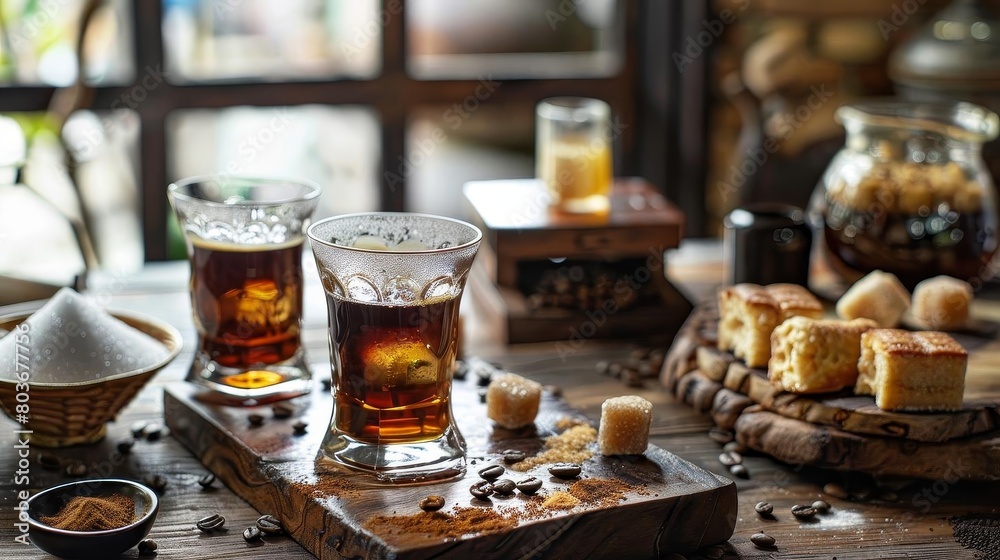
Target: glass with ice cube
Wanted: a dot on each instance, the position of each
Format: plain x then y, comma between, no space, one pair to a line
393,283
244,240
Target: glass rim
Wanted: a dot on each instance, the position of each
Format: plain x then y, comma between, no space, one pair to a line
313,190
951,119
572,108
310,233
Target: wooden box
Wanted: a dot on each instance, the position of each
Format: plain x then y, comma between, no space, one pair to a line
527,244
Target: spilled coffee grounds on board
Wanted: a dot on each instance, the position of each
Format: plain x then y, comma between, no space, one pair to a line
461,521
978,532
88,513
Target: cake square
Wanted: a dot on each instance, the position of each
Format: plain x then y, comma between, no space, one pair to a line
624,428
879,296
915,371
749,312
816,355
512,401
942,303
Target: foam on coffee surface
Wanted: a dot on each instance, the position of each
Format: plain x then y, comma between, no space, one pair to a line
72,340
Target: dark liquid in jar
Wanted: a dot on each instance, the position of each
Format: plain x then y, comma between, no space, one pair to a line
393,368
913,247
247,306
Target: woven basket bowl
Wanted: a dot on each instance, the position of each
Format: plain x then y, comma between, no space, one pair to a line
64,414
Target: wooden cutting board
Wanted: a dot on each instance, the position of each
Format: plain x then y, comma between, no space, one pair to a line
840,430
677,507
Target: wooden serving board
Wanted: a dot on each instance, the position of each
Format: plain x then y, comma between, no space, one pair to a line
838,430
676,506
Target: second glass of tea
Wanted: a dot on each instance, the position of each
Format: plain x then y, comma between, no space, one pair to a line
393,284
244,242
573,153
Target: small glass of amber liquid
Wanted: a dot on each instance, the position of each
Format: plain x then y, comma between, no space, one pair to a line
573,153
244,243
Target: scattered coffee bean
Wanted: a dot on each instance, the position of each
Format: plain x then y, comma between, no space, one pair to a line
461,371
431,503
762,540
735,447
76,469
153,432
739,471
820,506
615,370
835,490
156,482
482,394
529,485
764,508
147,546
482,489
504,487
281,411
251,534
300,427
138,428
125,446
565,470
720,436
206,481
730,458
211,523
270,525
888,497
255,419
553,390
483,376
602,367
803,512
491,472
513,456
861,494
49,462
632,378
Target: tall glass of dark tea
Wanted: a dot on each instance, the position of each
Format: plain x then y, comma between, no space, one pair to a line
244,242
393,284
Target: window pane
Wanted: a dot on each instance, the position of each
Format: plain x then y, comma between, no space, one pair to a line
338,147
38,42
513,38
206,40
443,153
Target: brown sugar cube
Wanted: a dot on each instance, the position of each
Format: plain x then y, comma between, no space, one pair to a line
816,355
942,303
624,428
750,312
916,371
879,296
512,401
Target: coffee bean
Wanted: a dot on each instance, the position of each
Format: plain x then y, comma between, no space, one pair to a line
735,447
730,458
565,470
138,428
836,490
491,472
270,525
615,370
251,534
461,371
327,383
483,376
431,503
147,546
820,506
281,411
300,427
762,540
504,487
153,432
739,471
206,481
720,436
631,378
646,369
553,390
602,367
211,523
513,456
255,419
482,394
49,462
763,508
482,489
861,494
803,512
76,469
529,485
156,482
125,446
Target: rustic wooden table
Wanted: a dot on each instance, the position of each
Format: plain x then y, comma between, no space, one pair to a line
918,525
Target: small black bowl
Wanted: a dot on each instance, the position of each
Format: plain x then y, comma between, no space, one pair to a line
90,544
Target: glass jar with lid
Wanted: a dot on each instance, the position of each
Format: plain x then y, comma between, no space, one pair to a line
909,193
